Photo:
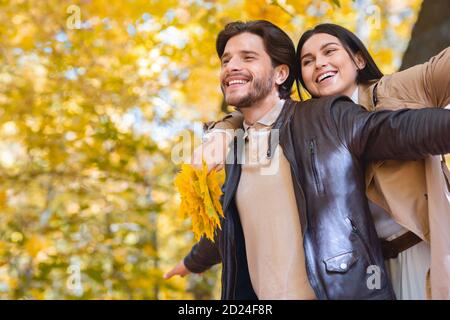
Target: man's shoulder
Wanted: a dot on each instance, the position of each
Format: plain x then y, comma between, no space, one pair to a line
320,104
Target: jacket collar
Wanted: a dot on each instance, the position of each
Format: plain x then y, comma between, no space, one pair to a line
366,95
268,119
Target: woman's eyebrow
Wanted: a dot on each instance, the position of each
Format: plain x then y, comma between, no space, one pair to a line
328,44
305,55
321,48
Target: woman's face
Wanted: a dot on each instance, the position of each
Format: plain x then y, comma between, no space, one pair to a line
327,68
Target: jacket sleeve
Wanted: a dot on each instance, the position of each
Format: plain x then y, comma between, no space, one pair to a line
203,255
232,120
404,134
427,83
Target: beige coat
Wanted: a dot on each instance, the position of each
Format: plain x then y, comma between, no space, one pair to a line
415,193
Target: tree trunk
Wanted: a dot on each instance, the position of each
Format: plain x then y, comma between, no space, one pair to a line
430,34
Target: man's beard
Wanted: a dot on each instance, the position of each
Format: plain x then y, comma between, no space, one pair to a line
260,89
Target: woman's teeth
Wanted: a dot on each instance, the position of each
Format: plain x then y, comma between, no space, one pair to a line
325,75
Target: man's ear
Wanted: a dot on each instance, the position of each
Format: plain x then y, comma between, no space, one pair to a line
281,74
360,61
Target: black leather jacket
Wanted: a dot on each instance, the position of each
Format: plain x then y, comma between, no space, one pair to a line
327,141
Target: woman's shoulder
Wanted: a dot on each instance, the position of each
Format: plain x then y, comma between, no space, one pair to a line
421,85
367,94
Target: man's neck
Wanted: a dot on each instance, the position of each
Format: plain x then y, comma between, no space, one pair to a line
256,111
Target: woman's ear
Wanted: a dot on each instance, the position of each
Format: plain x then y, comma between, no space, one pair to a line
281,73
360,61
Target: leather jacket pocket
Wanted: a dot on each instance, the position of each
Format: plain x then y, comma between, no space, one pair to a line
341,263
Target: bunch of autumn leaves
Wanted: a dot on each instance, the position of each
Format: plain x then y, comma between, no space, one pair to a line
200,192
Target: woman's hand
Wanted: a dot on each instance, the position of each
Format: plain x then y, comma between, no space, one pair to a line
213,150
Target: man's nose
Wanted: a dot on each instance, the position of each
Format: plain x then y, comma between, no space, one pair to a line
234,64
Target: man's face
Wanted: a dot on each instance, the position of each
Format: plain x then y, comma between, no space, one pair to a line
246,75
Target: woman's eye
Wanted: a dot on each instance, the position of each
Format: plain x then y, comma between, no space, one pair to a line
306,62
329,51
248,58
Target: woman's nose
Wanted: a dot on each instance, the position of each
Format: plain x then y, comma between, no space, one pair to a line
321,62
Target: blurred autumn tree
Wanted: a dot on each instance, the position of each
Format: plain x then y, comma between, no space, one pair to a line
93,95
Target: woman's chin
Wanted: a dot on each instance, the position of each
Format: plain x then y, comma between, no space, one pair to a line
328,92
325,91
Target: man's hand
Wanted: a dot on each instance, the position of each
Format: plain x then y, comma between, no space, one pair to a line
180,270
213,151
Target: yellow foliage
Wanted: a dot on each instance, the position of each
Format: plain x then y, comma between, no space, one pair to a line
85,159
120,255
3,199
34,245
385,57
268,10
200,193
149,250
2,253
13,283
37,294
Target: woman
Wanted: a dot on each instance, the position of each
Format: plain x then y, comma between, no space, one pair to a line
410,200
334,61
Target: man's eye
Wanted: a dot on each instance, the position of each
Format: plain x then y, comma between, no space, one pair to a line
249,58
224,62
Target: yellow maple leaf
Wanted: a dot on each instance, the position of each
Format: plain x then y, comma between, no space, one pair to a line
200,193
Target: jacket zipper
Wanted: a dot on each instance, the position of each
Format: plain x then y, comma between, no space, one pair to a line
356,231
233,251
232,248
311,278
312,152
224,254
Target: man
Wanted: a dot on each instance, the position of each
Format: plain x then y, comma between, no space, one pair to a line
304,232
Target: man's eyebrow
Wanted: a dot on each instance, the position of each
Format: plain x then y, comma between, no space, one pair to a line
321,48
226,54
249,52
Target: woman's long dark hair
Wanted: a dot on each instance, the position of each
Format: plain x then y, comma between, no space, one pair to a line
352,45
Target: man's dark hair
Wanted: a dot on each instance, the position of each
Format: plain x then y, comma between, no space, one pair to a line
277,43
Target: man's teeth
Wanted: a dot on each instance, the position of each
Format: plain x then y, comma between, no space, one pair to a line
323,76
237,82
